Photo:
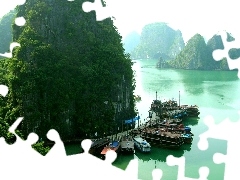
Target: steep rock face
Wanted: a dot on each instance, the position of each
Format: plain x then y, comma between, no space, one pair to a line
198,55
70,72
177,45
159,40
193,55
216,43
6,31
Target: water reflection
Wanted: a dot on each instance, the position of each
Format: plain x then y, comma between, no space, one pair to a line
191,121
160,154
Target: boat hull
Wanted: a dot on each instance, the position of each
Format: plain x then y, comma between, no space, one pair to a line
142,145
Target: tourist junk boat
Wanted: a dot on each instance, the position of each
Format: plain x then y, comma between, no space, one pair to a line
97,146
127,144
141,144
192,111
113,145
183,131
162,138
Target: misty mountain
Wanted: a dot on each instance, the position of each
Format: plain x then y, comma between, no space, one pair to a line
131,41
198,55
159,40
6,31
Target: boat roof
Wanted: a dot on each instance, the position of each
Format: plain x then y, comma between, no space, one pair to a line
106,149
139,139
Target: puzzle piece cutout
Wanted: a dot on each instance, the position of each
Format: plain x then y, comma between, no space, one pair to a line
180,162
101,11
19,21
83,163
58,165
9,54
3,90
231,135
219,54
157,174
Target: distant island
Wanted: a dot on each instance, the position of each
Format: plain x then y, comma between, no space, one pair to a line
156,40
159,41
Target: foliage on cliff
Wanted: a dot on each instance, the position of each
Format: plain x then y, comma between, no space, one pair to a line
158,40
198,55
193,56
68,72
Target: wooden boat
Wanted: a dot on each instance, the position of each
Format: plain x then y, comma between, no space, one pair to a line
127,144
113,145
141,144
98,145
163,138
192,111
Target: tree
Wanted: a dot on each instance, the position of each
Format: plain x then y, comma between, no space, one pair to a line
68,65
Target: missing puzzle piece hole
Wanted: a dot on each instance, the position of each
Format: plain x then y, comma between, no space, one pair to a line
111,156
218,54
203,172
32,138
219,158
209,121
20,21
157,174
171,160
3,90
86,145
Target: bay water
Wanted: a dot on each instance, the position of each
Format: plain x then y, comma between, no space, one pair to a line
214,92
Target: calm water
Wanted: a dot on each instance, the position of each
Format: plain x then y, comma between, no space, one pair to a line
216,94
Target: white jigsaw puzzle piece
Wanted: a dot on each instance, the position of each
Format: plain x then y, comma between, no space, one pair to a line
9,54
229,131
180,162
20,21
58,149
3,90
95,168
19,158
157,174
219,54
101,11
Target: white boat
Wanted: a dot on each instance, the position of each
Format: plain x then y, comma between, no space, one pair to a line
141,144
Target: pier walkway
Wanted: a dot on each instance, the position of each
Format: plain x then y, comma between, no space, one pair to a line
144,124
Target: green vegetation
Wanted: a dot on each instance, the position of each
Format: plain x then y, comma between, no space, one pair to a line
198,55
158,40
193,56
70,73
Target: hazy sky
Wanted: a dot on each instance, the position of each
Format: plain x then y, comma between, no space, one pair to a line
205,17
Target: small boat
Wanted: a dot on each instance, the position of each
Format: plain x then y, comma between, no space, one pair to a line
141,144
97,145
127,144
192,111
113,145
